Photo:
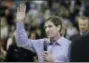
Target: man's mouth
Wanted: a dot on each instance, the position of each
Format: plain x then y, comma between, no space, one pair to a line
49,34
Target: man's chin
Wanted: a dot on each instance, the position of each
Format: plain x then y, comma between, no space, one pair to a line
49,36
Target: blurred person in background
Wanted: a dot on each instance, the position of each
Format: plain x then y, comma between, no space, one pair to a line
64,31
70,30
80,47
34,33
17,54
47,13
9,11
83,22
11,34
52,27
2,53
4,32
3,37
83,25
33,11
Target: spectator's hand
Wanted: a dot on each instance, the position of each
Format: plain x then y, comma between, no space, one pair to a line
20,13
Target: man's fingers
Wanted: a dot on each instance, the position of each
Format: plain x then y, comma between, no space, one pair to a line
23,7
21,12
17,9
45,58
45,52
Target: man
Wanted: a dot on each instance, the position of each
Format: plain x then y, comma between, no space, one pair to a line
80,49
83,25
57,49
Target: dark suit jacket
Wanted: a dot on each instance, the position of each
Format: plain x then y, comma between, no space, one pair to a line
18,54
80,49
75,37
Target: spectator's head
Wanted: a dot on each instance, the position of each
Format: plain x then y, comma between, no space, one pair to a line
3,28
83,23
53,26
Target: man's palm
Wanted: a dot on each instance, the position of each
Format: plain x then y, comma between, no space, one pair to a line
21,12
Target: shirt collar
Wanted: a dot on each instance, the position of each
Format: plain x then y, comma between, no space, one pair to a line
55,43
58,42
84,33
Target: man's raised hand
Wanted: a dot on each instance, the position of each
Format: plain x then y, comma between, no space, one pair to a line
20,16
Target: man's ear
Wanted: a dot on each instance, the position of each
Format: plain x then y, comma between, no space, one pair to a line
59,27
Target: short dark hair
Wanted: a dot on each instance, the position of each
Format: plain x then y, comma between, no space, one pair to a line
82,17
55,20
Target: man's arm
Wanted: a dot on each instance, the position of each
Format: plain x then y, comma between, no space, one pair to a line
21,36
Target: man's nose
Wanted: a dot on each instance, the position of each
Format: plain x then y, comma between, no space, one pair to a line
47,29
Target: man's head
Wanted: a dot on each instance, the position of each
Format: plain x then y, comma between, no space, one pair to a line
53,26
83,23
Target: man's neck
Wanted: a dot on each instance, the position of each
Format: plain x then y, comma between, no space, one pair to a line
55,38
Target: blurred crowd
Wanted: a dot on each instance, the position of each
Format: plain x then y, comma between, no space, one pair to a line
36,13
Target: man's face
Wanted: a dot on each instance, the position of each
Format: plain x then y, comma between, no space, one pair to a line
83,25
51,30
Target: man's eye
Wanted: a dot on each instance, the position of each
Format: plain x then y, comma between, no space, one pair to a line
49,26
84,24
